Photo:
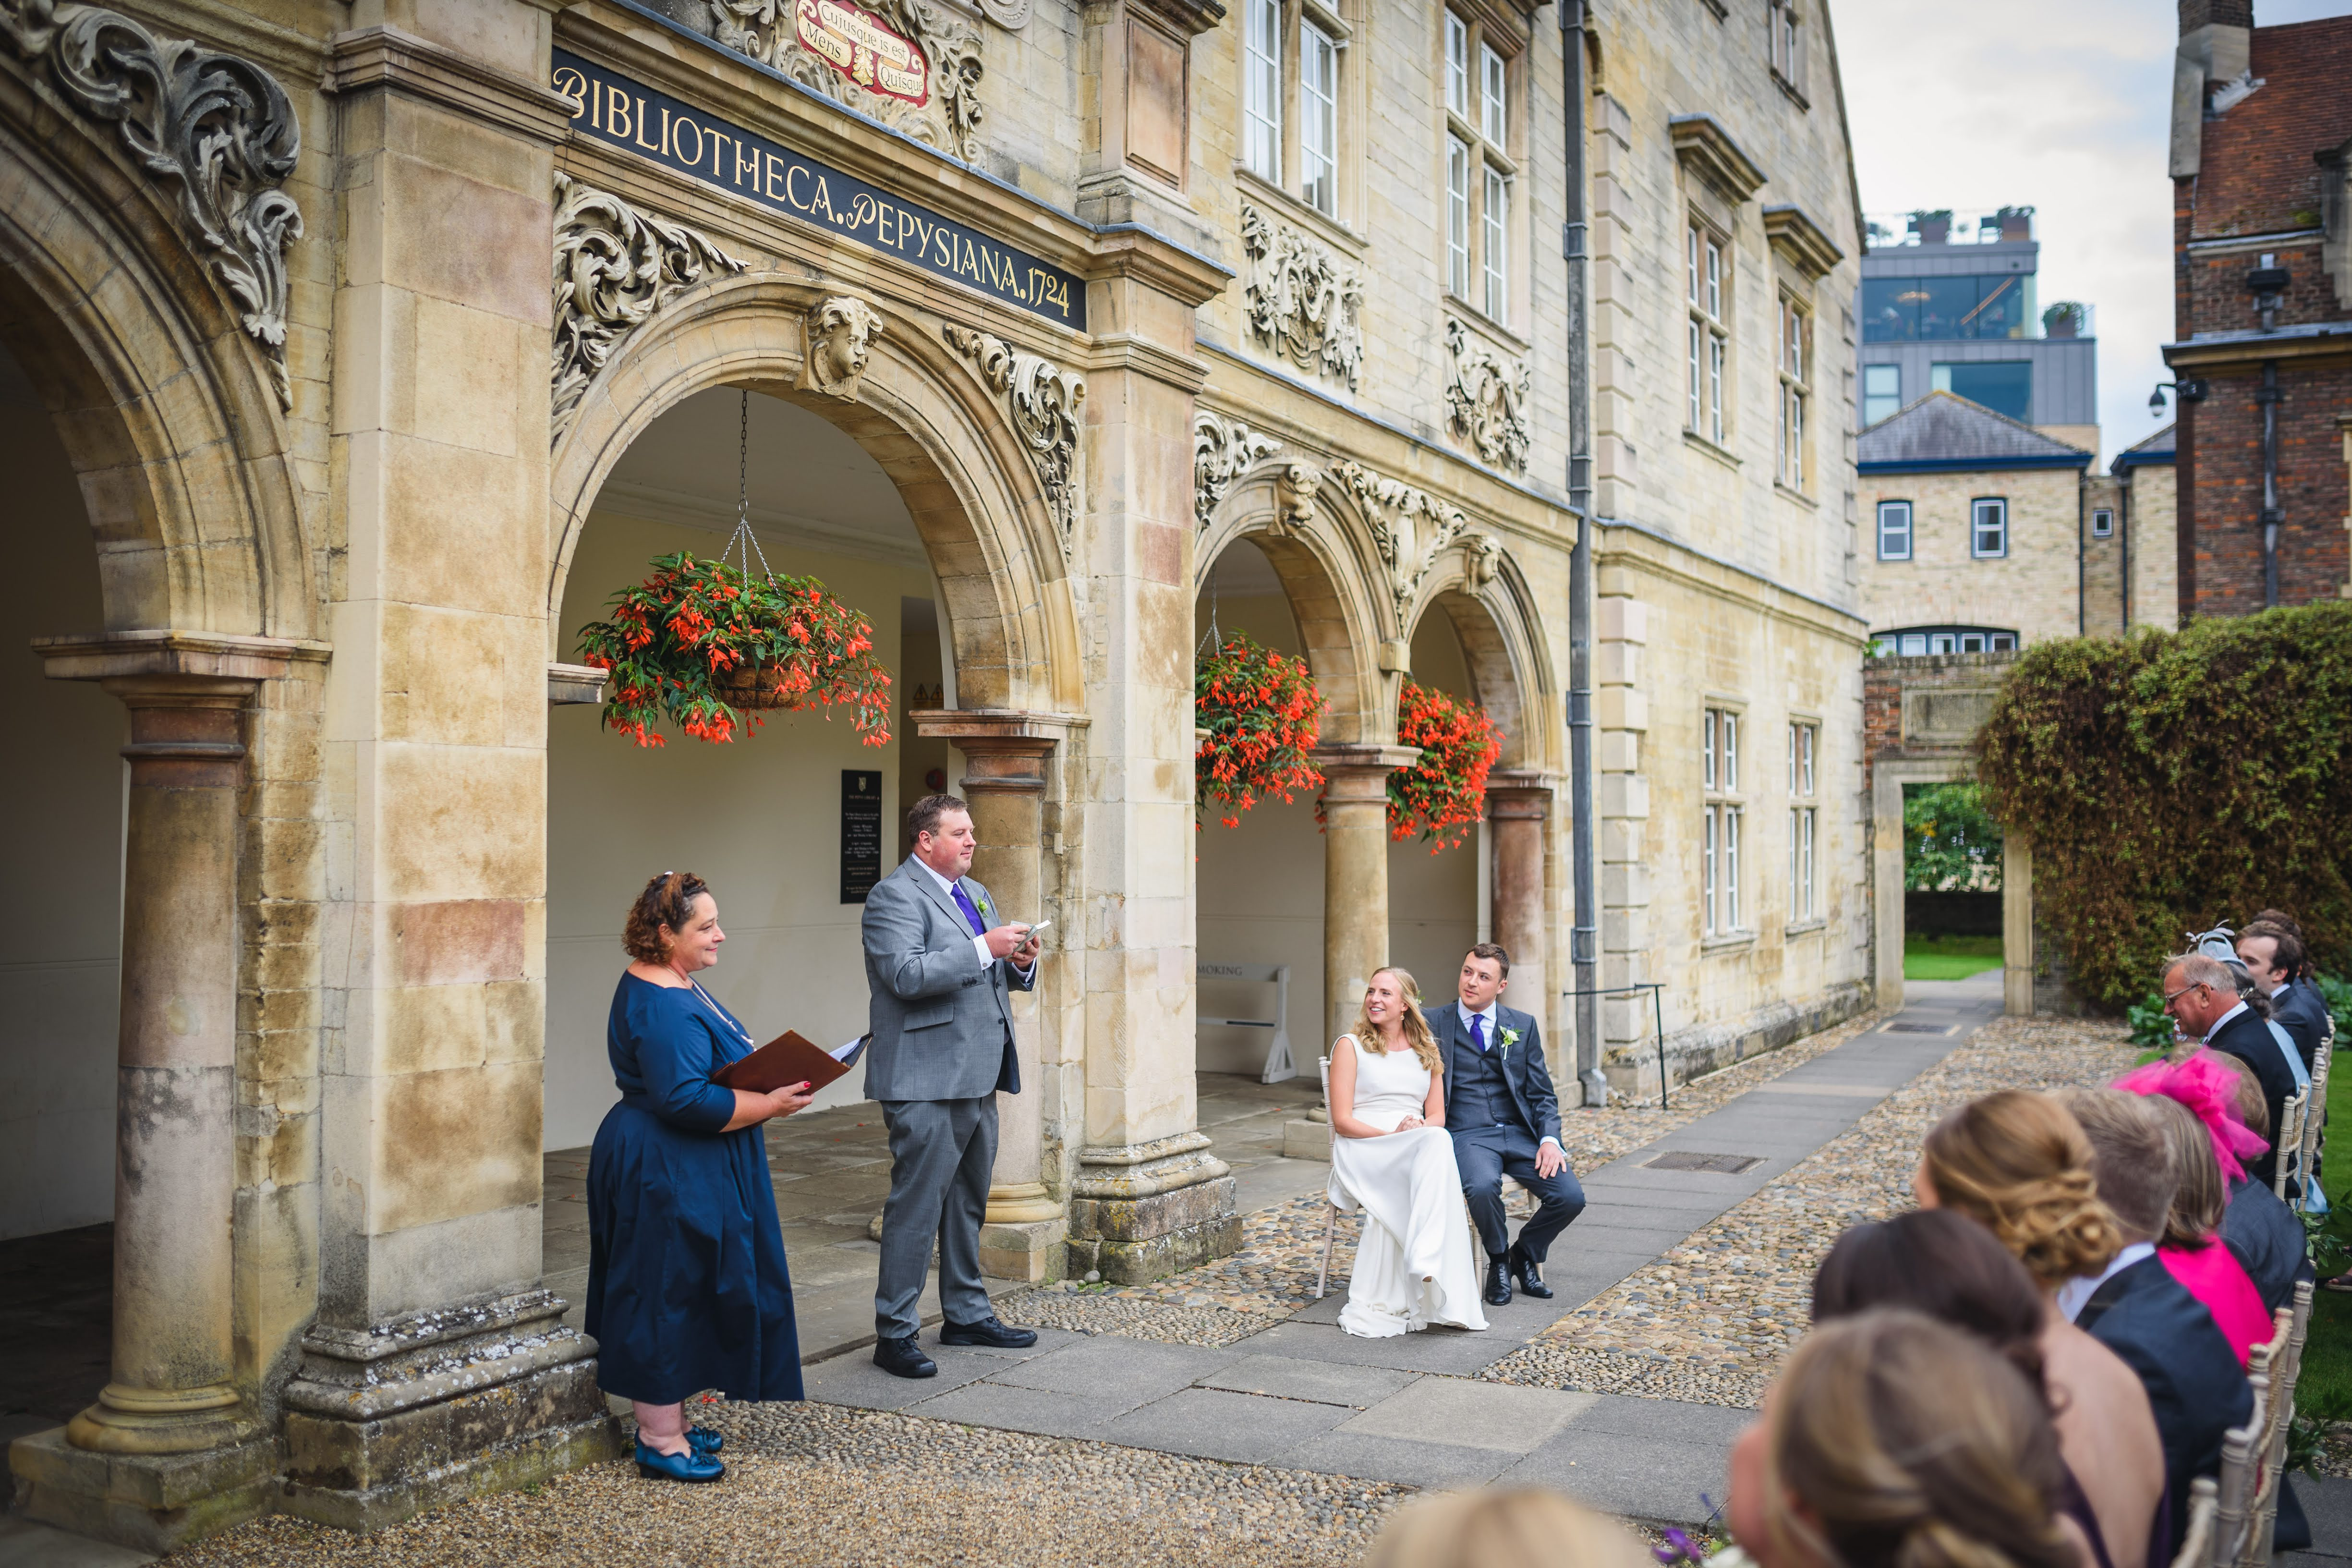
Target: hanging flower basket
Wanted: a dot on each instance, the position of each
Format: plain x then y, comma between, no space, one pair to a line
1443,794
1264,714
707,646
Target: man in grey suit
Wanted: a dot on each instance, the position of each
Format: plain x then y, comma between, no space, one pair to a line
941,969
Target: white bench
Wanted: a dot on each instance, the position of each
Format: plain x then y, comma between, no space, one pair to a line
1278,1066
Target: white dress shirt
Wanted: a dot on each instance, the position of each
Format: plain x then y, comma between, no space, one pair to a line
978,943
2235,1009
2076,1292
1487,1032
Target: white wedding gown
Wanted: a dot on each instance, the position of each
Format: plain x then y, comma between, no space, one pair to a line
1414,1263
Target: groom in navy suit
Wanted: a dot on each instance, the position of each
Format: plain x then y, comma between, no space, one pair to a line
1505,1119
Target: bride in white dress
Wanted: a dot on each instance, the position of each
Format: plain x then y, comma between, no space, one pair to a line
1394,1159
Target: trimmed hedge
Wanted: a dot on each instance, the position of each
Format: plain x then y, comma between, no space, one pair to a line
2171,781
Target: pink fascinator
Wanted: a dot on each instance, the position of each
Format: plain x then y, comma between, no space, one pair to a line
2209,1091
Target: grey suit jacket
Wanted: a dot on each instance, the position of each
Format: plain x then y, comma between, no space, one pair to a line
1524,1071
943,1024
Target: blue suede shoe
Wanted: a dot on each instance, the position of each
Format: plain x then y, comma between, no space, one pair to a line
703,1440
656,1466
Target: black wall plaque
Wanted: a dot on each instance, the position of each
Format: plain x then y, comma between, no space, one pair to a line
861,832
616,110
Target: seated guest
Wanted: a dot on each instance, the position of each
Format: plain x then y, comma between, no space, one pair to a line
2256,1226
2201,994
2272,949
2018,1165
1894,1441
2136,1308
2191,1249
1524,1528
1939,1263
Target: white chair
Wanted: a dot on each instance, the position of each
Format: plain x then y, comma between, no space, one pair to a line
2241,1466
2315,1115
2197,1541
2281,1361
2289,1141
1331,1209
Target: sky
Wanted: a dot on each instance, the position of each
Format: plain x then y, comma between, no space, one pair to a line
2061,105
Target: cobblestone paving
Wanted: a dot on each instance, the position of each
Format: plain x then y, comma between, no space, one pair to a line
1711,1320
820,1484
1273,1275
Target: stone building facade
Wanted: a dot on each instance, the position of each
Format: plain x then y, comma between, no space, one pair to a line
377,348
2131,556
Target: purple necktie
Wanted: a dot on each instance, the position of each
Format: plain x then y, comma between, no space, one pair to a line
971,914
1478,1032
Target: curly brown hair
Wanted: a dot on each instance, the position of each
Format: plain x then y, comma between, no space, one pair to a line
2018,1165
667,900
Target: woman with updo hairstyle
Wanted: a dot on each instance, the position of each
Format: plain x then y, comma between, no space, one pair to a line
1895,1441
687,1284
2018,1165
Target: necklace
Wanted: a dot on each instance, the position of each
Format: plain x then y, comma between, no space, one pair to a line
732,1026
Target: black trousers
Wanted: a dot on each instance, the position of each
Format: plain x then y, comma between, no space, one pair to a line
1486,1156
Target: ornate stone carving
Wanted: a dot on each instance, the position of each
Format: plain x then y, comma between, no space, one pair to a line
1482,560
949,119
1294,493
1041,402
1304,303
1222,451
1411,527
841,333
1486,400
613,267
216,127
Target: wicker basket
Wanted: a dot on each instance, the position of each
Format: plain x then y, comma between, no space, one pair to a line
748,687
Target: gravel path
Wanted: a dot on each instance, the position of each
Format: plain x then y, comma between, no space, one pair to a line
1273,1275
821,1484
1711,1320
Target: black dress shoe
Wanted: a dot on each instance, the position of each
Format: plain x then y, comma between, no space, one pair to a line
1498,1283
988,1332
903,1358
1528,1274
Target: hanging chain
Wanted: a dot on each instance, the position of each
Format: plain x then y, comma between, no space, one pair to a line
1215,643
744,534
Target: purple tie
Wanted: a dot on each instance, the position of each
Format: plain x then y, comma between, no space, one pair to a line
971,914
1478,1032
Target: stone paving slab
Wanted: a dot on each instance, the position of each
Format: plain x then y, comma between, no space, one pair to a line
1404,1462
1217,1423
1104,1366
1323,1383
1022,1410
1459,1413
1432,1350
1635,1475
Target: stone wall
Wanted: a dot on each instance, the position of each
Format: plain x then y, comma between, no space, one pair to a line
2033,590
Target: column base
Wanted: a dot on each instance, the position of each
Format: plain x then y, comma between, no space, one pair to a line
1143,1211
1307,1139
174,1421
1035,1250
388,1422
155,1502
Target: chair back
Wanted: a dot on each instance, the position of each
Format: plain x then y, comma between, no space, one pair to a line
2289,1142
2315,1114
1324,1066
2197,1540
2241,1466
2282,1360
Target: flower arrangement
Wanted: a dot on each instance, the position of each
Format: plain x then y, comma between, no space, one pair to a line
705,645
1264,714
1443,794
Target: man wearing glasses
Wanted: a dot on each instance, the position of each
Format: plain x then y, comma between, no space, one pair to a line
2201,994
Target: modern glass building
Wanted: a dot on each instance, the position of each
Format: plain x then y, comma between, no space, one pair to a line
1948,303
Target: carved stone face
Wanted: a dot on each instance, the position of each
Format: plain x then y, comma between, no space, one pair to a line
842,331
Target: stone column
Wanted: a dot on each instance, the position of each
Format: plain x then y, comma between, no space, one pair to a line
174,1432
1518,806
1006,759
2017,956
1355,874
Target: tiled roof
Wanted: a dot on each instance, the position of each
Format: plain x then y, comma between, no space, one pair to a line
1947,431
2158,448
2256,174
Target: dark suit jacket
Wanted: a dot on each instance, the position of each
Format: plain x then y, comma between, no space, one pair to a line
2195,1386
2268,1239
1524,1071
2302,1012
2249,1039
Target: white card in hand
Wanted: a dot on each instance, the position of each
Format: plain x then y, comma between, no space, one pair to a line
848,1055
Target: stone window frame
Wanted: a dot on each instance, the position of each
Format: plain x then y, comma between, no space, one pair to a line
1722,818
1482,222
1792,334
1709,268
1976,528
1784,49
1298,25
1910,528
1805,811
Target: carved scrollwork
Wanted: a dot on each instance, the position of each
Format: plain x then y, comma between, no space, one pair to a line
1222,451
1300,300
841,333
947,120
1486,400
1411,527
1293,494
1040,400
614,267
1482,560
216,127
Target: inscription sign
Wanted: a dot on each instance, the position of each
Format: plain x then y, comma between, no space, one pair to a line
855,42
622,113
861,832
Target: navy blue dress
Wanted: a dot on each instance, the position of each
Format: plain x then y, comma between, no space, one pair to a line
687,1284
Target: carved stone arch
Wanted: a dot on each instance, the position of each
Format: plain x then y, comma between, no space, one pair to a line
1322,576
1503,642
930,423
168,414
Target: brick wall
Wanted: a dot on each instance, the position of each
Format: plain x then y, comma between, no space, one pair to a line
2221,558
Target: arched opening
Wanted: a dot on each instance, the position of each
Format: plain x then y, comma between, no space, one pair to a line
1437,896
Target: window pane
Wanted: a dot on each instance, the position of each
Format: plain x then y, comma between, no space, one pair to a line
1945,303
2005,387
1319,123
1706,752
1999,310
1890,309
1882,393
1715,280
1781,452
1693,263
1942,642
1895,530
1494,122
1715,388
1796,439
1914,643
1991,528
1805,861
2103,523
1730,900
1495,245
1793,759
2004,642
1457,65
1458,217
1731,751
1262,90
1697,380
1707,880
1805,758
1972,642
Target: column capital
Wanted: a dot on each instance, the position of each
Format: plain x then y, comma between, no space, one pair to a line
1522,793
1350,759
1004,750
166,655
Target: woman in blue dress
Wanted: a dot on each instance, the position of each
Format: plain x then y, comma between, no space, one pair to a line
687,1284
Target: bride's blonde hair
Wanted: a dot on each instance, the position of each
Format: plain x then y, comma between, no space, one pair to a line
1416,1027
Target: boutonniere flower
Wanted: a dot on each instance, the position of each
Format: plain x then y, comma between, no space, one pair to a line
986,912
1508,1038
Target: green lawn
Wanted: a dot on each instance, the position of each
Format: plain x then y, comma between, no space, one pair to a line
1949,957
2326,1390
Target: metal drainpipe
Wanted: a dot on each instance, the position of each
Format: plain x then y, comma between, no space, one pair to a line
2123,544
1584,934
2271,513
